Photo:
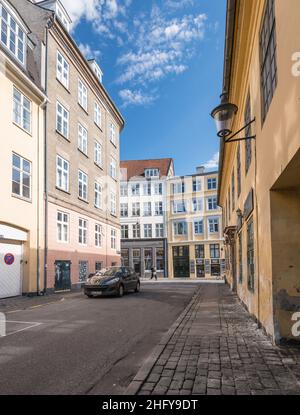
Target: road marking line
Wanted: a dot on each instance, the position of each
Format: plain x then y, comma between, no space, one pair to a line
32,325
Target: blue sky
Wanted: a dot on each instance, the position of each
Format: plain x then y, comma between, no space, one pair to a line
163,63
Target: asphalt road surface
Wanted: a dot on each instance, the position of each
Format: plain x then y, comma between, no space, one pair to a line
87,346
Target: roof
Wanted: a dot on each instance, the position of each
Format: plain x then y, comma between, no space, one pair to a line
135,168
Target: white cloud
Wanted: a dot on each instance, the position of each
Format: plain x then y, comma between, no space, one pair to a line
177,4
88,52
130,97
213,163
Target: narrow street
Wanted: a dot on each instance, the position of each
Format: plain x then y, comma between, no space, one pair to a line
87,346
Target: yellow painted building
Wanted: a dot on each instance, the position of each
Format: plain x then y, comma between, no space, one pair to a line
22,161
259,187
195,242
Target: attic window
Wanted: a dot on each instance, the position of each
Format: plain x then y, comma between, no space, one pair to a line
62,17
152,173
12,36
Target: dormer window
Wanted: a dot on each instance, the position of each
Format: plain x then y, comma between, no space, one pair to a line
151,173
62,16
12,35
96,69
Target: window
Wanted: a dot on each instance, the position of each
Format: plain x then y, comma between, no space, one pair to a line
82,185
196,185
82,232
212,203
98,153
233,190
147,189
125,257
97,114
83,267
113,168
179,206
158,188
62,120
180,228
98,235
248,132
12,36
124,210
159,230
82,95
21,177
136,211
238,171
98,195
229,204
22,111
147,209
124,189
148,259
250,254
98,266
212,183
62,17
62,174
82,139
160,262
178,187
240,254
198,227
124,231
62,227
136,231
113,203
200,251
197,205
135,189
214,250
113,138
62,70
268,58
159,209
213,225
151,173
147,231
113,238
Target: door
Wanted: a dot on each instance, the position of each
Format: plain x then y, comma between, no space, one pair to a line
181,262
10,270
62,275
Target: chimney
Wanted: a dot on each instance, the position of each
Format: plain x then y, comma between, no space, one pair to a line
200,170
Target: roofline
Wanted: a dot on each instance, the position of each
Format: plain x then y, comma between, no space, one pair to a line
195,175
228,58
163,158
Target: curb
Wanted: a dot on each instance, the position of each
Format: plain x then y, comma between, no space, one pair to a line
140,378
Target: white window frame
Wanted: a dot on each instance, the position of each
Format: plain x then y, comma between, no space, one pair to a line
151,173
98,235
82,231
83,189
82,139
98,153
147,209
197,204
113,134
113,203
124,209
97,114
216,221
136,231
148,230
113,168
62,127
63,226
136,207
113,238
124,232
176,228
158,188
82,95
213,201
16,37
98,195
176,204
159,208
22,110
197,185
22,174
159,230
62,70
196,224
62,174
211,180
135,189
124,189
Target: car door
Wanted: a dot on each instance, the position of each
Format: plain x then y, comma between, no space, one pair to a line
133,278
126,279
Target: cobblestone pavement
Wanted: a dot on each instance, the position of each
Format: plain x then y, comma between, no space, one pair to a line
217,349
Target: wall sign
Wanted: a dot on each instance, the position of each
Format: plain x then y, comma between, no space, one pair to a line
9,259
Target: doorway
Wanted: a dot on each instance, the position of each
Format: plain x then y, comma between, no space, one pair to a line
62,276
181,261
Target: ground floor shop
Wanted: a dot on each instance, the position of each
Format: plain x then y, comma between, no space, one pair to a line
144,254
196,260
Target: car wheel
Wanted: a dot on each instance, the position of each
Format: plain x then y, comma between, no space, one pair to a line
89,295
121,291
137,288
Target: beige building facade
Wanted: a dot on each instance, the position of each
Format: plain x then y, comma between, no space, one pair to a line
195,243
22,105
259,188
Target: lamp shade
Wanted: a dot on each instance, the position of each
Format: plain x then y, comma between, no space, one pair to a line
223,115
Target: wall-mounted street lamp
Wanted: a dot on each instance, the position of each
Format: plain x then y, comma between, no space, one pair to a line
224,115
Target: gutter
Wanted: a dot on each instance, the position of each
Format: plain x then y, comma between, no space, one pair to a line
228,58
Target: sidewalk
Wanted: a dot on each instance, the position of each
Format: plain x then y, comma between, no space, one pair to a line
215,348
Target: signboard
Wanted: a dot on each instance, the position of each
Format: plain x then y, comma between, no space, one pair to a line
215,261
192,266
248,206
200,261
9,259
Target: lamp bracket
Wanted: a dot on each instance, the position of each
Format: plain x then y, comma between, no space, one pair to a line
232,138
